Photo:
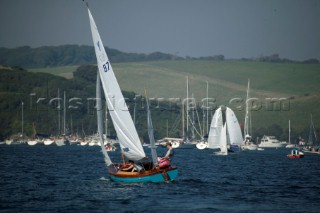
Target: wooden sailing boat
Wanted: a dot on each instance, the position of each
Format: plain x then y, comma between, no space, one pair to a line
126,132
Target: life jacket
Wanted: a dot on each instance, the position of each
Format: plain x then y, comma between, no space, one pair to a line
164,163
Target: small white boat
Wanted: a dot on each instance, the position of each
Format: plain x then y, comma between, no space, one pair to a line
9,141
249,146
32,142
48,142
60,142
94,142
290,146
84,143
202,145
175,142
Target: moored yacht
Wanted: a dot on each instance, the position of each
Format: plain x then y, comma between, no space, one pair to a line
270,142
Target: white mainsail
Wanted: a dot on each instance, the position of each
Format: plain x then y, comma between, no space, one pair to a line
100,121
215,130
233,128
121,118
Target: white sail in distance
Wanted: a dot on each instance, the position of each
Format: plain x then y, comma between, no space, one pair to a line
215,130
233,128
121,118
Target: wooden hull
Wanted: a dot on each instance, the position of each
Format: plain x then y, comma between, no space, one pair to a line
153,175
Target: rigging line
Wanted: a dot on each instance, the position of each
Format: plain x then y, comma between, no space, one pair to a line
199,122
175,124
194,126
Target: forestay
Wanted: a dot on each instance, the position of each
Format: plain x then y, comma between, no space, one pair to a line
215,130
121,118
233,128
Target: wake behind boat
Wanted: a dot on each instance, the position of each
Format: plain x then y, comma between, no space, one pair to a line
129,141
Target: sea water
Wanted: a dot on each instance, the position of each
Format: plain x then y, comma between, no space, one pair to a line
74,179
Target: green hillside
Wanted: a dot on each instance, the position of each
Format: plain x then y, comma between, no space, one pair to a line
297,84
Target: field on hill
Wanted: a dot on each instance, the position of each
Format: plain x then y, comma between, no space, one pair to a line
296,84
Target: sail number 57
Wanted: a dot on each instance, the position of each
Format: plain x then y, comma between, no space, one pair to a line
106,66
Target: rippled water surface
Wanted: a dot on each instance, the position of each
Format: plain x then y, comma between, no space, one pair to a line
74,179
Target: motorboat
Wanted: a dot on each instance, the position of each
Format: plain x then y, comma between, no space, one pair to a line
270,142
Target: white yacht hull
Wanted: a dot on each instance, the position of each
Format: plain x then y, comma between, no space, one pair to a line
290,146
48,142
84,143
32,143
60,142
202,145
270,145
250,147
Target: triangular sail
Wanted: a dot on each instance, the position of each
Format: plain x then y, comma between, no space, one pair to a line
234,130
121,118
223,140
151,135
100,120
215,130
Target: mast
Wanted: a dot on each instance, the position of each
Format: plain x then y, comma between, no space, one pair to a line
134,111
150,133
203,126
59,107
187,107
207,108
193,127
64,112
22,118
71,124
167,129
182,120
247,116
312,132
106,124
289,132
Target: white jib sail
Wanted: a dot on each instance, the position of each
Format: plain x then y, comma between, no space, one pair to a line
233,128
215,130
223,140
121,118
100,120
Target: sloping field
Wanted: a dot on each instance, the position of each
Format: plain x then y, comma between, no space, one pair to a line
297,84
